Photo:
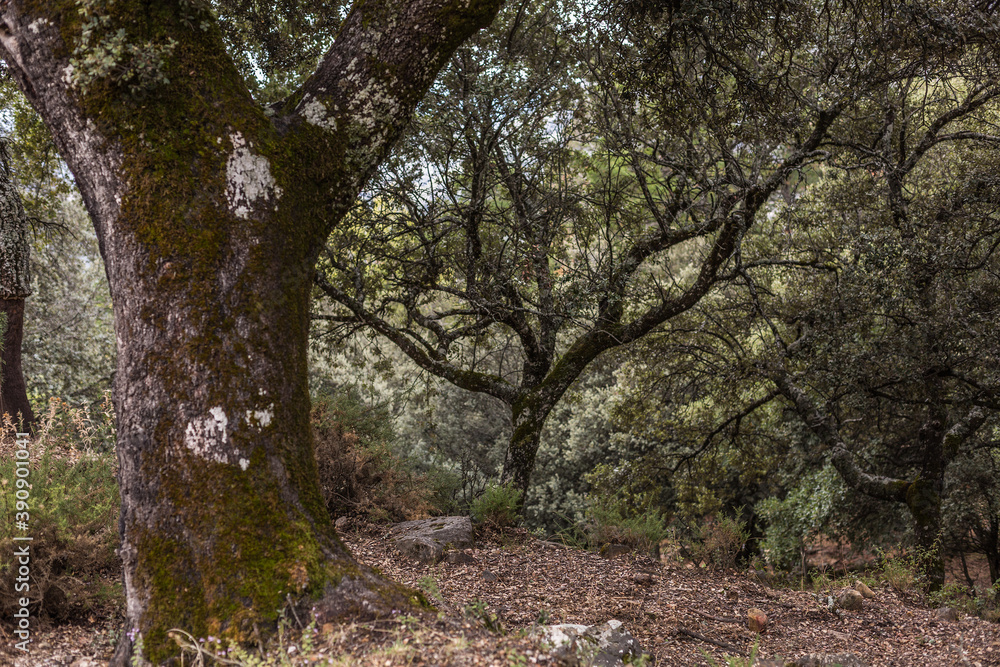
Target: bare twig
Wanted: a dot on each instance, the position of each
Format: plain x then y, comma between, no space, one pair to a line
681,630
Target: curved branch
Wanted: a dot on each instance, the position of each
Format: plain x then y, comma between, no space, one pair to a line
425,358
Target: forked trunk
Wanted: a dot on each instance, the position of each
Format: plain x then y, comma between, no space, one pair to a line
210,212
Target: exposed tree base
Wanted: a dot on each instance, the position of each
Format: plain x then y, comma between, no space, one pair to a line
365,596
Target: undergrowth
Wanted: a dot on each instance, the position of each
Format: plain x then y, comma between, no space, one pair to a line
72,516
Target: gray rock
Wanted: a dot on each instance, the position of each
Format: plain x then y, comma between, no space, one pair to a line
830,660
604,645
426,540
850,600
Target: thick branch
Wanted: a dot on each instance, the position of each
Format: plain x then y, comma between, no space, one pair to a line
381,64
876,486
423,357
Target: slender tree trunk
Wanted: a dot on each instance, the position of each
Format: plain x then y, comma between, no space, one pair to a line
924,504
990,541
529,413
15,287
13,390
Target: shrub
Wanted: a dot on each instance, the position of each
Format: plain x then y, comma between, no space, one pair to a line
359,472
903,572
808,509
498,507
618,514
719,540
73,509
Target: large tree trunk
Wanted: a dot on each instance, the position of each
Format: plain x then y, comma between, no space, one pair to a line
222,515
15,287
210,212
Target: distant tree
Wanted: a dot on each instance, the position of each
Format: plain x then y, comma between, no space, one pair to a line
210,210
867,309
572,185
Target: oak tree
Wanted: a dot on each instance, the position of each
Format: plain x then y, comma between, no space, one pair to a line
210,210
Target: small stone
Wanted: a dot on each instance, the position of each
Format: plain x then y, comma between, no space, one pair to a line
644,578
341,523
866,592
612,550
946,614
489,576
851,600
756,620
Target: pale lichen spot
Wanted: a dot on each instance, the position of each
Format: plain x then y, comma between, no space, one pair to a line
315,113
36,26
244,464
248,178
261,418
207,437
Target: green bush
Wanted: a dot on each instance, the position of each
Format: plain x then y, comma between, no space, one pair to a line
498,506
619,514
807,510
73,511
719,540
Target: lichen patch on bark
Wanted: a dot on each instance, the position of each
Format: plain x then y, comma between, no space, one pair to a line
261,418
207,437
315,113
249,181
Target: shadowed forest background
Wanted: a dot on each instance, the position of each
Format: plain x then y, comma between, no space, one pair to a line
720,275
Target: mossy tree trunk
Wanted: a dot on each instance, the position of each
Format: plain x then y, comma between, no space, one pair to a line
210,212
15,287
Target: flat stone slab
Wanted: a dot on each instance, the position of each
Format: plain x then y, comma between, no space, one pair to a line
604,645
427,539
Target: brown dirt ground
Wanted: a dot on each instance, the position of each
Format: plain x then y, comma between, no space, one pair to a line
681,614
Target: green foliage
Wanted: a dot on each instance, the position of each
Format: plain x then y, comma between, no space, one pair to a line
498,507
73,507
984,604
478,611
618,514
106,51
904,572
68,348
809,509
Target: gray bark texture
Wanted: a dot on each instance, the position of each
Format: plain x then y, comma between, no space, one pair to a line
210,212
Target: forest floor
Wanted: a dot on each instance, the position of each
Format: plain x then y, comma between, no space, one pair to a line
682,614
